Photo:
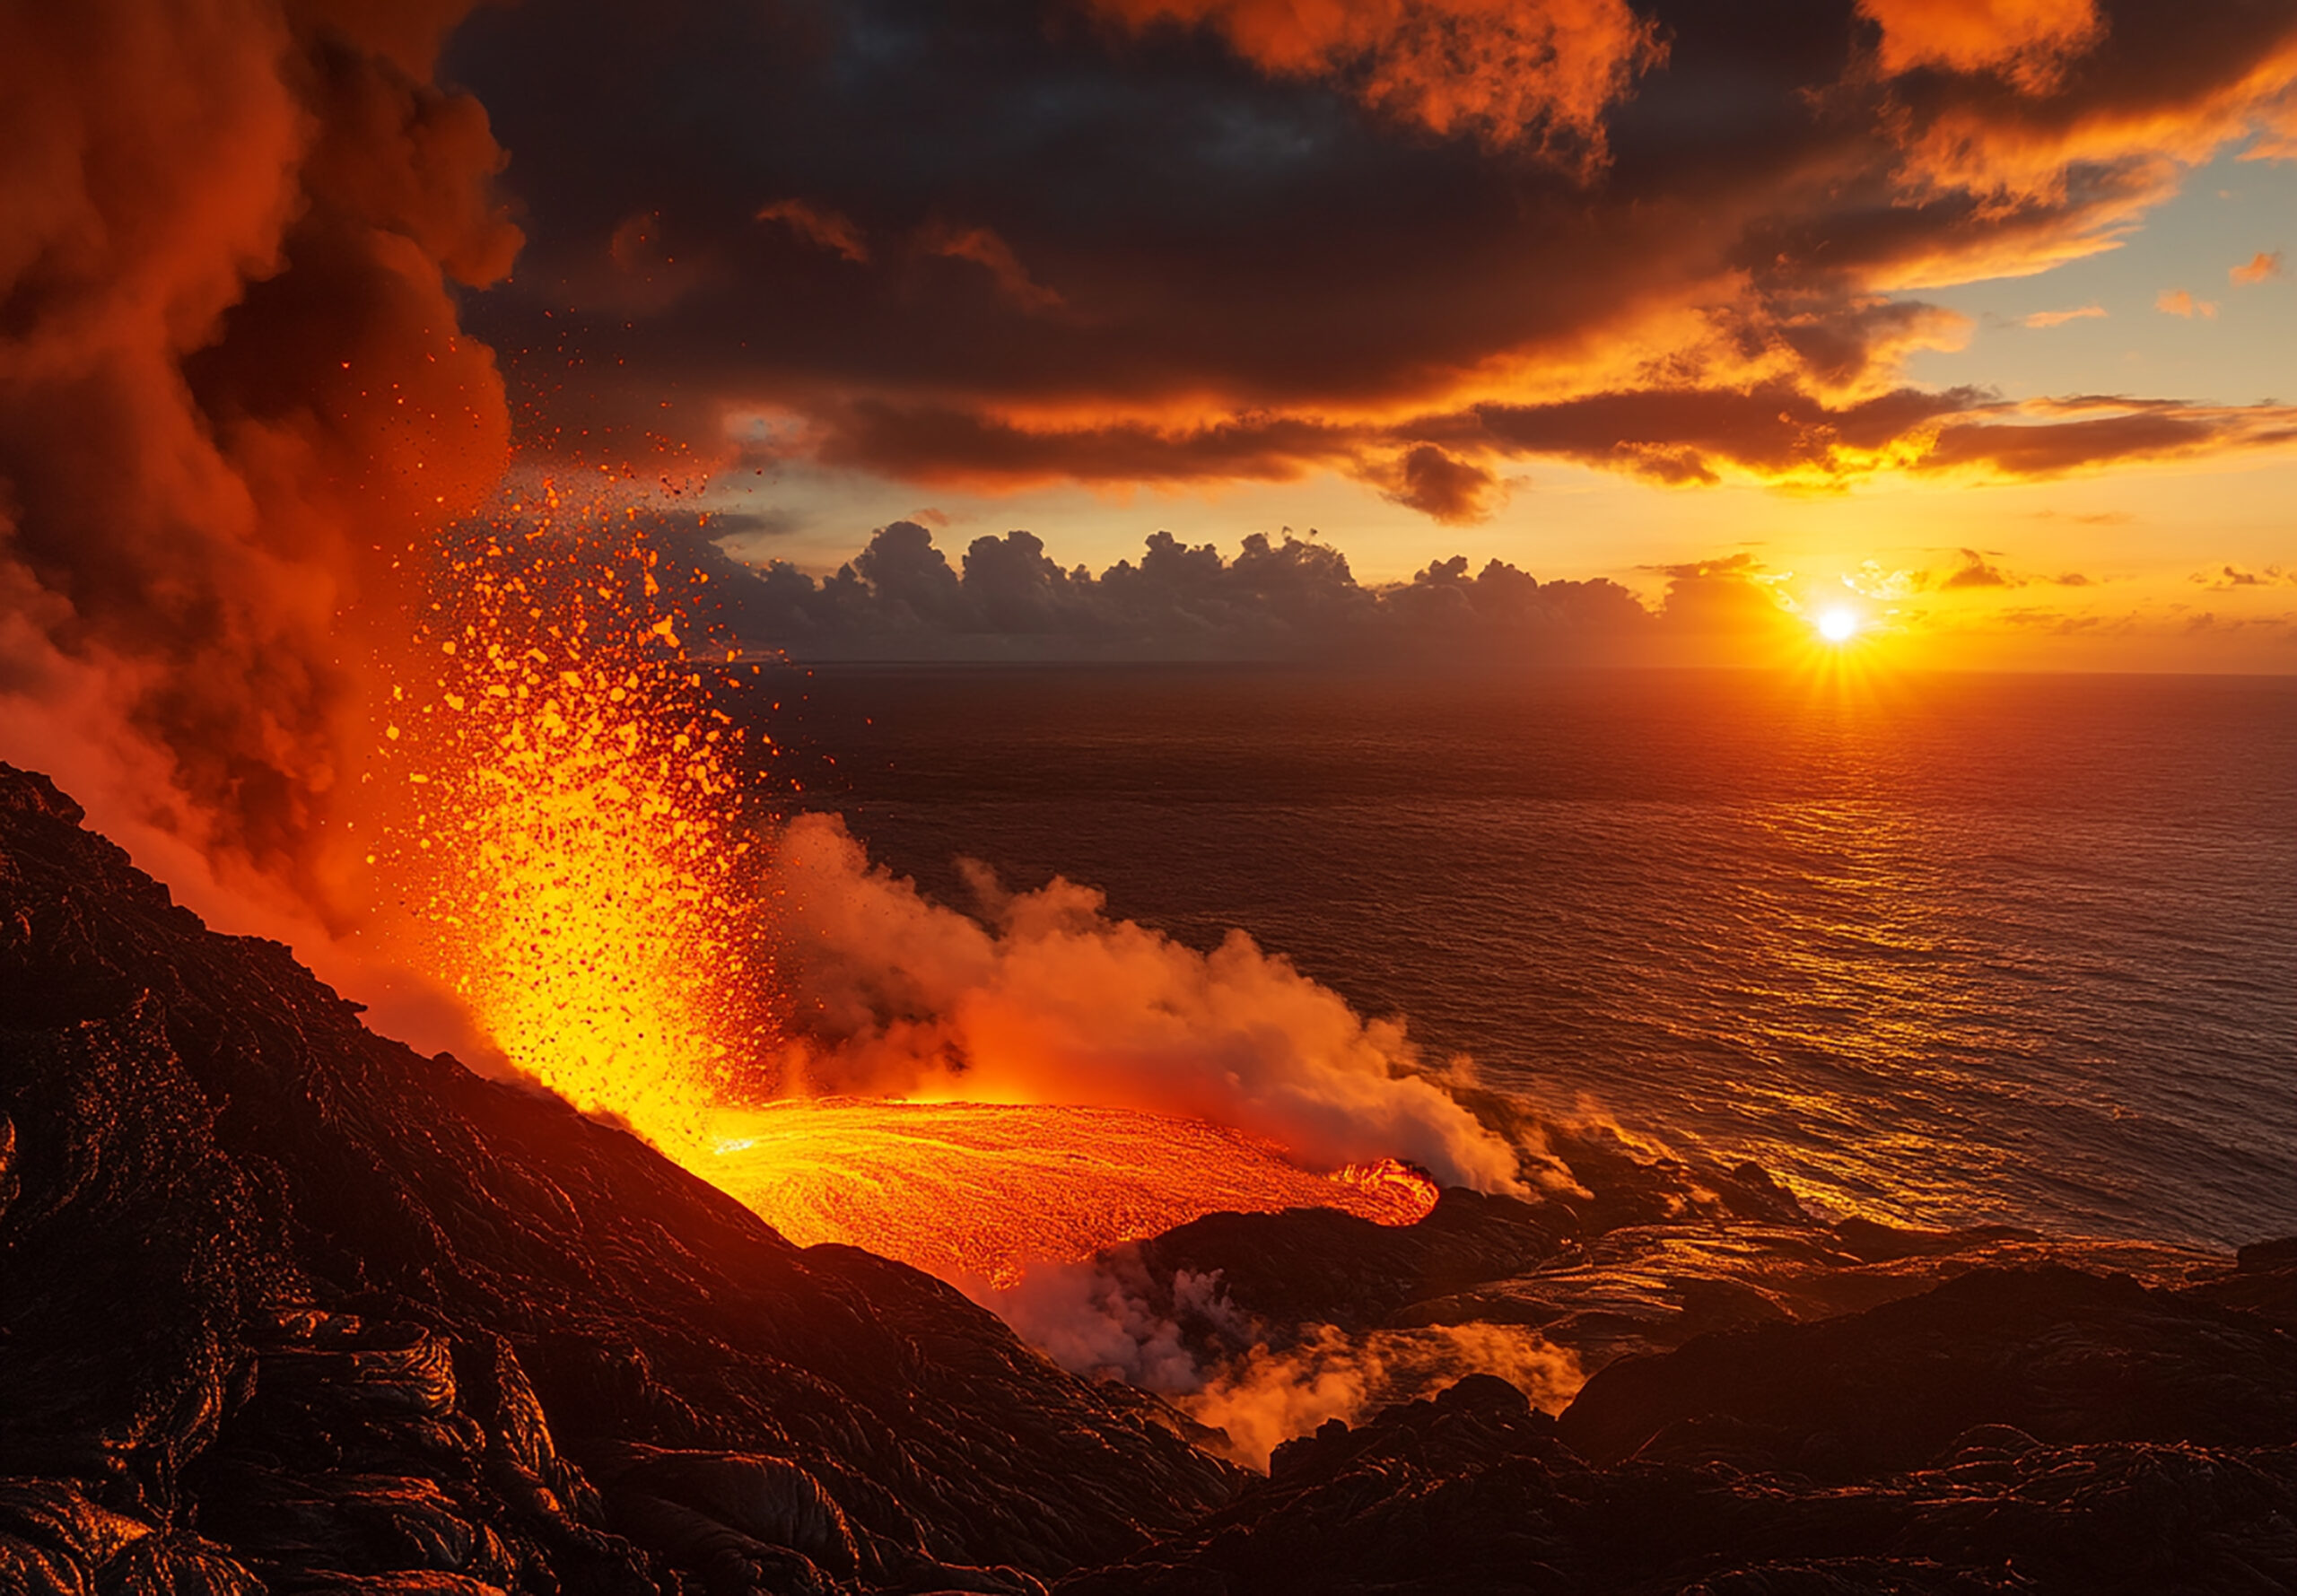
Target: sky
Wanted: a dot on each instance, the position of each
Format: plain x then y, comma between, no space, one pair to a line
1973,313
1626,331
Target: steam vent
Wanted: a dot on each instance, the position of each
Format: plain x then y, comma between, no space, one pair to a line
288,1307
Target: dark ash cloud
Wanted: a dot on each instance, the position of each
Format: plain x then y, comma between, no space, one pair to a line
233,390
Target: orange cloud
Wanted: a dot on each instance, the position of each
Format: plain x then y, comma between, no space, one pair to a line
2227,578
1690,435
2178,301
2027,42
1977,572
2262,266
1497,69
2046,319
2131,431
2066,164
824,228
984,248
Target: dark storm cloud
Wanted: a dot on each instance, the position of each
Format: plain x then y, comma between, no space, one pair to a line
1176,239
952,444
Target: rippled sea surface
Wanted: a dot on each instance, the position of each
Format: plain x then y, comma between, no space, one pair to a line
1943,948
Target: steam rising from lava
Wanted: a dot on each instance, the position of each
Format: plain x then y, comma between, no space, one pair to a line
1260,1384
1052,1001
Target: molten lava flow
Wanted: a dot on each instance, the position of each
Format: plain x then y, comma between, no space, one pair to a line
980,1190
571,845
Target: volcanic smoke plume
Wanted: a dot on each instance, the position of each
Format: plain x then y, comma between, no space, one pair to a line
1052,1001
232,394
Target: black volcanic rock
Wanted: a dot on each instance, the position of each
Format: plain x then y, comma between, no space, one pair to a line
2263,1281
1476,1492
2064,1356
1595,1276
284,1300
1593,1272
1323,1265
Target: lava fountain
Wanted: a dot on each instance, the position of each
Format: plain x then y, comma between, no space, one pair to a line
575,849
572,853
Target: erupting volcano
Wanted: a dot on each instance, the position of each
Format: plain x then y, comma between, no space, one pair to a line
577,835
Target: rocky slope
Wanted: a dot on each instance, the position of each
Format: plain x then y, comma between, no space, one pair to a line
278,1286
284,1306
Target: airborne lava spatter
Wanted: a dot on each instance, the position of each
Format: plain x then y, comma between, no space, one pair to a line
573,842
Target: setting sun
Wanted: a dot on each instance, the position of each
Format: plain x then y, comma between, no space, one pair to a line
1838,625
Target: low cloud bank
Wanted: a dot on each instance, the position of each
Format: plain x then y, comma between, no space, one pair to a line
900,599
1047,999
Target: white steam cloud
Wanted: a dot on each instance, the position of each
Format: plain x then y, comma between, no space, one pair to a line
1052,1001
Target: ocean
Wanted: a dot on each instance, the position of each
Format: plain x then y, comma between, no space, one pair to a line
1939,949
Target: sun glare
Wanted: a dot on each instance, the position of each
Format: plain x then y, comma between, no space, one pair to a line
1839,624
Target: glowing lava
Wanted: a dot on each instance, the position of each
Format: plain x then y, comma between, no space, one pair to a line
969,1190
